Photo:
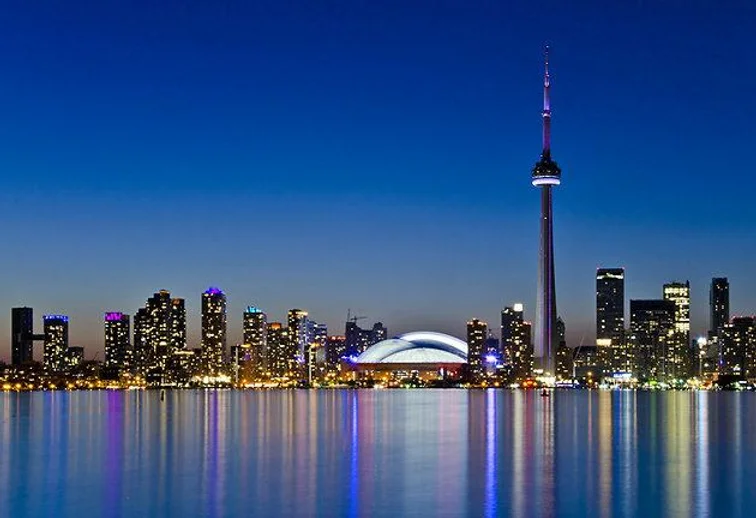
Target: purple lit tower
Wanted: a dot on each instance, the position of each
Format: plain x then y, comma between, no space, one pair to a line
546,174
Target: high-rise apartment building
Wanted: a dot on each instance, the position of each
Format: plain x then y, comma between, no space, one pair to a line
56,343
177,326
477,332
255,334
516,344
22,335
213,331
299,340
279,349
117,340
610,320
142,352
336,349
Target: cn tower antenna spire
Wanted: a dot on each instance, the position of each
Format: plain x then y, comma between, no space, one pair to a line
546,104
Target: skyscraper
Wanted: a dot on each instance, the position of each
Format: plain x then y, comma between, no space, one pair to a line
652,326
298,338
719,304
177,326
545,175
117,340
564,354
516,343
159,311
610,320
56,342
278,344
22,335
679,352
213,331
143,355
477,332
738,347
255,325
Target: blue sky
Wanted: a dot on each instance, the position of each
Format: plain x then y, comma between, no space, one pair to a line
373,157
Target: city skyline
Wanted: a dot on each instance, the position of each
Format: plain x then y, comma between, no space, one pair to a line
112,161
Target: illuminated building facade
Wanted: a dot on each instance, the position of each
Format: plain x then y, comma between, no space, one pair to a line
22,335
564,353
159,333
298,348
56,343
545,175
652,328
142,351
213,331
117,340
336,350
279,349
477,332
255,333
738,348
177,326
679,352
613,352
516,343
427,355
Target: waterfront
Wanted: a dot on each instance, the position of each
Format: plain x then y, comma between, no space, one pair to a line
377,453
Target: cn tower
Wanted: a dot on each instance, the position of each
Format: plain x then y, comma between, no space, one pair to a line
546,174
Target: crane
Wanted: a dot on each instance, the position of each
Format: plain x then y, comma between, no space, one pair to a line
355,318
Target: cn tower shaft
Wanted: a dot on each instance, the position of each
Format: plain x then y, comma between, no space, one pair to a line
546,300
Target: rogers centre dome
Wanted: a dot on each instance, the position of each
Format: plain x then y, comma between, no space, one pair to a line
423,350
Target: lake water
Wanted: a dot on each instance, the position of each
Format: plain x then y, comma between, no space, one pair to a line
375,453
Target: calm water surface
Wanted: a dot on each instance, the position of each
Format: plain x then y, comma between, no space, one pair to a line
377,453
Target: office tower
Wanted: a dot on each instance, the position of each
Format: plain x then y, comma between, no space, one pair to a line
22,335
719,304
546,174
652,328
477,332
213,331
255,324
610,320
336,349
737,344
177,326
516,344
678,360
117,340
279,350
56,342
564,353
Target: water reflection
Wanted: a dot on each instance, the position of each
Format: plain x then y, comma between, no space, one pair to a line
377,453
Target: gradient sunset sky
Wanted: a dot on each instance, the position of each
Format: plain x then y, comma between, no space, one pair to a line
370,155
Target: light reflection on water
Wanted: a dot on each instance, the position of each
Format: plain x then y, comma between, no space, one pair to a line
377,453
